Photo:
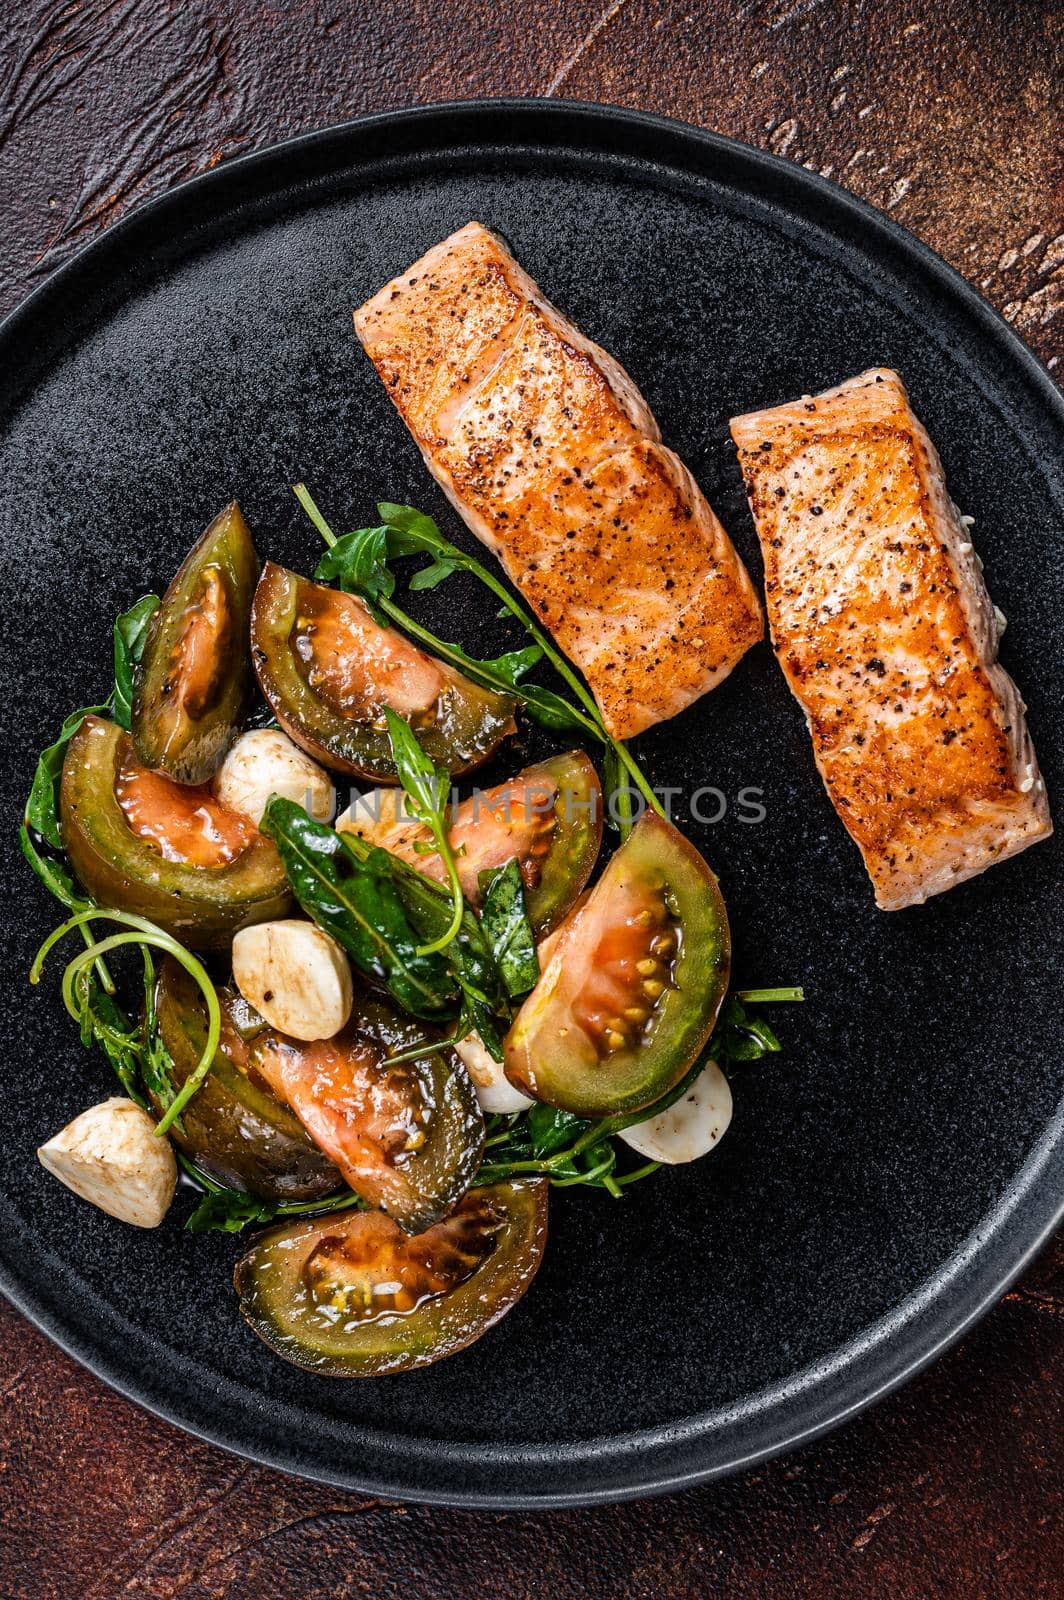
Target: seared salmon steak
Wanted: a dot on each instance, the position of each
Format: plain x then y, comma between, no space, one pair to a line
551,455
883,626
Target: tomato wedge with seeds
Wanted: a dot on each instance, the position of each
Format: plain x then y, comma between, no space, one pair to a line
194,680
406,1136
329,669
631,984
549,817
234,1127
352,1296
139,841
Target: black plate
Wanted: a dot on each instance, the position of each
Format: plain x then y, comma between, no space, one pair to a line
886,1177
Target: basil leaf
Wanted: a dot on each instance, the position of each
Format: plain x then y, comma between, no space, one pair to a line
359,563
353,894
504,920
131,634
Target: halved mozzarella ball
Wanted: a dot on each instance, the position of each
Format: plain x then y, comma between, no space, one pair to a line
691,1127
494,1090
111,1156
264,762
295,976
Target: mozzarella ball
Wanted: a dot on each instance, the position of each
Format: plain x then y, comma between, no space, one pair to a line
295,976
264,762
689,1128
494,1089
111,1156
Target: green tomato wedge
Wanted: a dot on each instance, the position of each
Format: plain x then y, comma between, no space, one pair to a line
548,817
631,983
194,680
234,1128
138,841
329,669
351,1296
406,1136
283,1119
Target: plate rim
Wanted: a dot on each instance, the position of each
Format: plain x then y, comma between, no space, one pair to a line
912,1349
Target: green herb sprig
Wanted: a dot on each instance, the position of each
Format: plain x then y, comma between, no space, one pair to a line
131,635
386,915
123,1045
427,788
359,562
571,1150
225,1210
505,922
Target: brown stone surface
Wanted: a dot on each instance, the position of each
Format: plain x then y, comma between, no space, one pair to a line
941,111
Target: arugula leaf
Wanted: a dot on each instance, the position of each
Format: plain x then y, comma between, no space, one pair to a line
223,1210
504,919
106,1025
352,893
428,789
41,818
42,807
434,574
511,667
228,1211
411,532
740,1037
414,533
359,563
53,873
550,1130
131,635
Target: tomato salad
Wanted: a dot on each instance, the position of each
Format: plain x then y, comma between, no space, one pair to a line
379,1037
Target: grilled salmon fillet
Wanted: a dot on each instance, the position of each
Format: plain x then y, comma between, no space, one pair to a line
551,455
885,632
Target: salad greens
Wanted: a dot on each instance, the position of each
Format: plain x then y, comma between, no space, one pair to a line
359,562
420,940
504,920
571,1150
353,893
382,911
79,999
40,822
131,635
427,788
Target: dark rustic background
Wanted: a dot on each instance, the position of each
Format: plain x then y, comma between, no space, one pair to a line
946,113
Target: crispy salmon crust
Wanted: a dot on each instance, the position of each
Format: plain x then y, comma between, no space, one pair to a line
551,455
883,626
